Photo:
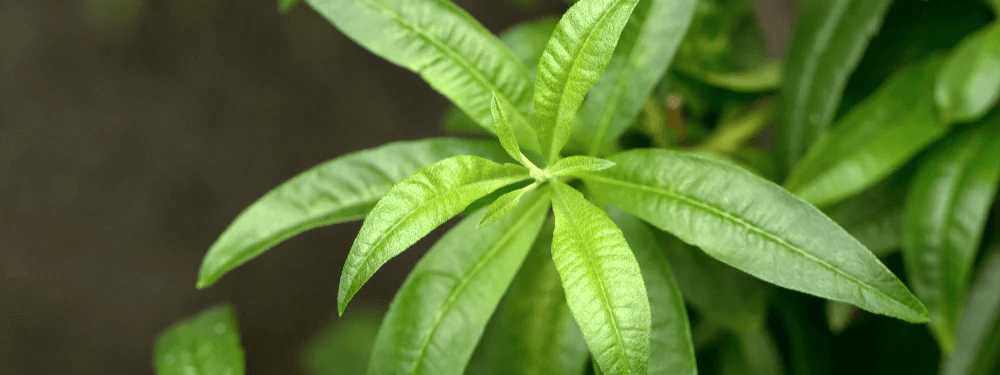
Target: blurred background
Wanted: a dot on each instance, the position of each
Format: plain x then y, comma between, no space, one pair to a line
133,131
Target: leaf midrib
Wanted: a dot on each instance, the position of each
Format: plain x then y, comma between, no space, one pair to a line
740,222
453,296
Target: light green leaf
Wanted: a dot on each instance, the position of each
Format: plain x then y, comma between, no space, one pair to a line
506,135
286,5
441,310
969,82
875,217
767,77
207,344
604,286
874,139
721,293
644,52
455,54
751,353
827,45
978,339
734,132
753,225
534,324
945,215
340,190
577,164
671,351
344,345
414,207
573,60
504,205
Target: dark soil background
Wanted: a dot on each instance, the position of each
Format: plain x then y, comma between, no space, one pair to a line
133,131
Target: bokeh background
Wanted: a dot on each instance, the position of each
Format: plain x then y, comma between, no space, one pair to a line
133,131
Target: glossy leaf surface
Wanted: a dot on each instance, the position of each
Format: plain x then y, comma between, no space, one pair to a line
340,190
827,45
414,207
753,225
874,139
603,283
441,310
207,344
945,215
572,62
978,339
969,82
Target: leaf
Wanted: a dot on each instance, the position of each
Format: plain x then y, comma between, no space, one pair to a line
414,207
751,353
573,165
441,310
207,344
761,79
534,324
721,293
450,50
504,205
340,190
603,283
506,135
874,139
826,46
733,133
285,5
344,345
644,52
572,62
978,339
671,351
801,324
969,82
839,316
875,217
753,225
945,215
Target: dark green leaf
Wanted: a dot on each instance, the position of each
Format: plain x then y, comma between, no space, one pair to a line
414,207
572,62
969,82
873,140
344,345
945,215
441,310
340,190
827,44
604,286
670,350
978,339
751,353
753,225
207,344
646,48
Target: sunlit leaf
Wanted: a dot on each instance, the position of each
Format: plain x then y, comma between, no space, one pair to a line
969,82
574,165
207,344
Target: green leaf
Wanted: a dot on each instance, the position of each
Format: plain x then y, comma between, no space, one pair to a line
604,286
875,217
671,351
572,62
826,47
340,190
945,215
504,205
753,225
450,50
734,132
872,140
751,353
575,165
644,52
721,293
441,310
534,324
344,345
506,135
978,339
207,344
969,82
286,5
839,316
764,78
414,207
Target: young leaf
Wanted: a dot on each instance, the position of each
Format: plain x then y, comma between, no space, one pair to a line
969,82
414,207
207,344
945,215
646,48
670,349
573,60
455,54
286,5
535,327
754,225
340,190
504,205
826,47
721,293
574,165
441,310
874,139
506,135
604,286
978,339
